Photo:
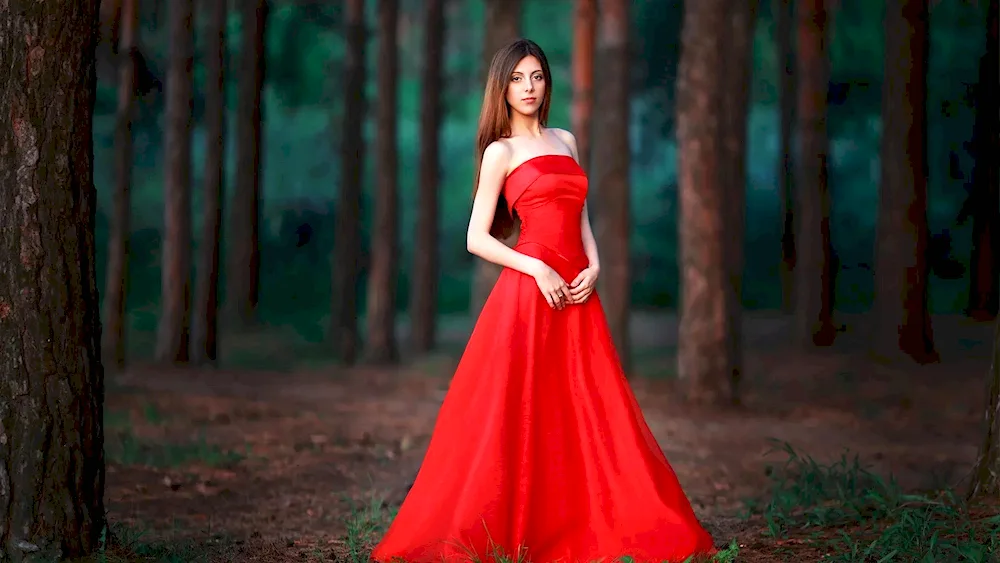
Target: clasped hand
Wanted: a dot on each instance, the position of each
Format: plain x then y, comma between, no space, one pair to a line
558,293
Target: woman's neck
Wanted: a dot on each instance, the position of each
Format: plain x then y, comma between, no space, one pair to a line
525,126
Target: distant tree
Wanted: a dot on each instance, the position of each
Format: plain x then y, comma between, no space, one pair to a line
116,276
901,270
243,272
205,329
584,33
610,169
814,273
502,25
984,287
172,334
383,275
784,15
423,293
51,400
347,240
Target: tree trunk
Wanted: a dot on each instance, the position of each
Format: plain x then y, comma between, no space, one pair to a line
784,13
610,166
584,32
172,335
985,483
502,25
813,270
382,278
738,65
903,322
703,362
984,289
204,337
52,390
243,274
347,243
116,277
425,262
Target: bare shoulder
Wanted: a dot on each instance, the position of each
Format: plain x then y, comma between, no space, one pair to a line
565,136
497,153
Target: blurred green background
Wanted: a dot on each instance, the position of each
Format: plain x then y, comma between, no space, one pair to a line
302,109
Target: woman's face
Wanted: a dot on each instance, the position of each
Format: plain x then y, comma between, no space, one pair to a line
526,89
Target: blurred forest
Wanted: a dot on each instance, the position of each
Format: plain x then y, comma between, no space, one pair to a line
302,107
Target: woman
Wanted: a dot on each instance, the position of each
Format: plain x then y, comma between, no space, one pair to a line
540,452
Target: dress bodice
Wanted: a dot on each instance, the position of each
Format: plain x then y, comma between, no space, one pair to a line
548,193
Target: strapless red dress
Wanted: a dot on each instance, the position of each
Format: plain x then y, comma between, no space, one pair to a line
540,452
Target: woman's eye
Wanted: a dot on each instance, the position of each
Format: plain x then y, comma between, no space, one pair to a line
515,78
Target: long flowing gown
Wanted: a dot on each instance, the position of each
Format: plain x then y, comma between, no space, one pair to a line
540,452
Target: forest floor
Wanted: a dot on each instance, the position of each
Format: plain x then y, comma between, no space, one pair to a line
294,460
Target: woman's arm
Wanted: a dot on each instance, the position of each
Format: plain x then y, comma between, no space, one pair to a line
478,240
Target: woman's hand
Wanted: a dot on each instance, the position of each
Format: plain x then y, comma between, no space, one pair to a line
583,285
552,286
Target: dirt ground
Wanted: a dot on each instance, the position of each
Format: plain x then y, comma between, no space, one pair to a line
276,460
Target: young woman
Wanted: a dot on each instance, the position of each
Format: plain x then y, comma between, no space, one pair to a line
540,452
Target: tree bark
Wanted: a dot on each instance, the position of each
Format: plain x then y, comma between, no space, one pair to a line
243,274
347,243
204,336
784,13
172,335
610,166
51,378
703,361
116,276
984,286
425,263
502,25
584,33
813,281
383,276
904,324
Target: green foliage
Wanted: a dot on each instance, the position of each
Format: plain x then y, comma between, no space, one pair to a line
856,516
301,165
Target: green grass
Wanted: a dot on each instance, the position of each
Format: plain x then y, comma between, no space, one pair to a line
856,516
122,446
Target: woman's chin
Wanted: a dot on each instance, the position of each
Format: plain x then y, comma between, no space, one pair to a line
527,111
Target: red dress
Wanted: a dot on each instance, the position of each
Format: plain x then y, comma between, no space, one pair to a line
540,452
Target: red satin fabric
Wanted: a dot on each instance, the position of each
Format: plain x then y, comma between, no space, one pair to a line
540,452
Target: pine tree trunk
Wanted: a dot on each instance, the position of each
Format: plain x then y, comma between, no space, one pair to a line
383,276
610,166
116,276
984,287
584,33
204,334
502,25
784,13
702,348
52,390
172,335
813,281
347,241
423,293
900,304
243,273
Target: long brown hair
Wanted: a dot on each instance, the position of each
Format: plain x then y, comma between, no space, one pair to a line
494,118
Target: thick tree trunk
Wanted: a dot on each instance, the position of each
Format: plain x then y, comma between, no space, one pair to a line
703,361
116,276
51,379
984,286
502,25
243,273
172,335
784,13
204,334
813,282
347,242
610,166
383,276
584,33
903,322
424,289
